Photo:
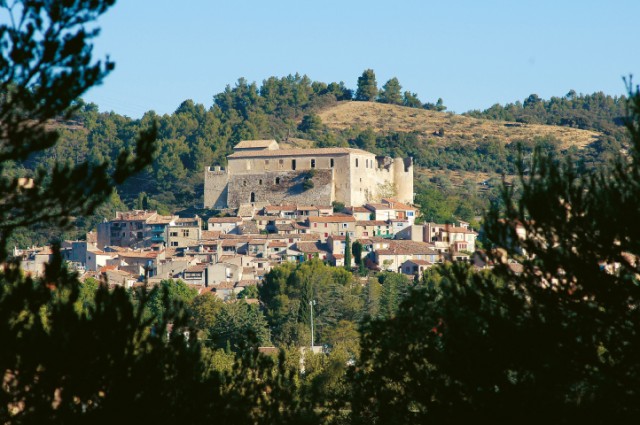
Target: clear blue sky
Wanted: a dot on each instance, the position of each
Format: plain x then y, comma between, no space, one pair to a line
471,53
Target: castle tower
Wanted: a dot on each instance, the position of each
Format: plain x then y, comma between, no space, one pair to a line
403,179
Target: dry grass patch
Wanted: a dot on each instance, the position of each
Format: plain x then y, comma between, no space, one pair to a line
385,118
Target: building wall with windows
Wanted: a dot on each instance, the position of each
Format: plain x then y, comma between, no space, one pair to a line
272,176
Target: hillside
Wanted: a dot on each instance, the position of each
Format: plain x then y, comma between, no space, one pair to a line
385,118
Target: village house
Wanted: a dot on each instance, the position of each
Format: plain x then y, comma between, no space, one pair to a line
224,224
337,224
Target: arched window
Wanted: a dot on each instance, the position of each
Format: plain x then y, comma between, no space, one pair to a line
260,182
253,197
277,180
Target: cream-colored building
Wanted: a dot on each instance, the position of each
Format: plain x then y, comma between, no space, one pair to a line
259,172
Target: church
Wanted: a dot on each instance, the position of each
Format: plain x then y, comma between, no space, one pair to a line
259,172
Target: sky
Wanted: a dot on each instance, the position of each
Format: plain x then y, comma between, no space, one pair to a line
472,54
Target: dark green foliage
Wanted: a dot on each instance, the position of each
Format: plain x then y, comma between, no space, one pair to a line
45,63
237,326
356,249
438,106
367,86
310,123
82,353
556,342
391,92
286,293
595,111
411,100
347,252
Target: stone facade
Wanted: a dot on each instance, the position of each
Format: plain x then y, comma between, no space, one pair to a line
269,175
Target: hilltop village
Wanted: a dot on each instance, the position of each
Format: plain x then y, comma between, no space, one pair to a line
274,205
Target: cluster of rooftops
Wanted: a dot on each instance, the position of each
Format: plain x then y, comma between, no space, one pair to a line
224,254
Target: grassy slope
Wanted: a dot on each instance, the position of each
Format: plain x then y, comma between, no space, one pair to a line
383,118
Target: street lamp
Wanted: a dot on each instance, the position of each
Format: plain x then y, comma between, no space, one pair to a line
311,304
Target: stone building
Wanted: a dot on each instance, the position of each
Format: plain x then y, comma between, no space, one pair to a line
259,172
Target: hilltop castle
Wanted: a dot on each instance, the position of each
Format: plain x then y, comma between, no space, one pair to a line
259,172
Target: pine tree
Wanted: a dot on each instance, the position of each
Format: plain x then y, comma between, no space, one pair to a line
391,92
367,86
347,252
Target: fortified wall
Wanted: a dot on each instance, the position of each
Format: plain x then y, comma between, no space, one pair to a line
259,172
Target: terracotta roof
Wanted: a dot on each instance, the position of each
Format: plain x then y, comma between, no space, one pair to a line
398,205
332,219
232,242
298,152
135,215
277,244
280,208
421,262
249,144
223,285
196,268
453,229
352,210
371,223
224,220
310,247
147,254
210,234
378,206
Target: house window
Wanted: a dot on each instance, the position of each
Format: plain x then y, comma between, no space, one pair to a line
331,162
313,163
293,164
185,233
326,225
174,243
173,234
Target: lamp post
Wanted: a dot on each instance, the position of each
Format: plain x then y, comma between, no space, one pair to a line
311,304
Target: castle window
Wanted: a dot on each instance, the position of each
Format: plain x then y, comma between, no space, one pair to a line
244,182
260,182
293,164
331,161
277,180
313,163
253,197
366,163
356,162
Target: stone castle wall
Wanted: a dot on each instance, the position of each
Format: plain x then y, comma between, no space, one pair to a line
281,187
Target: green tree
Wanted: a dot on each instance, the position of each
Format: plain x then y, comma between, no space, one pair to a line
559,330
391,92
356,249
367,86
411,100
239,325
347,252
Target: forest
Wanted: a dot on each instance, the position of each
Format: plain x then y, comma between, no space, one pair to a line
554,340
